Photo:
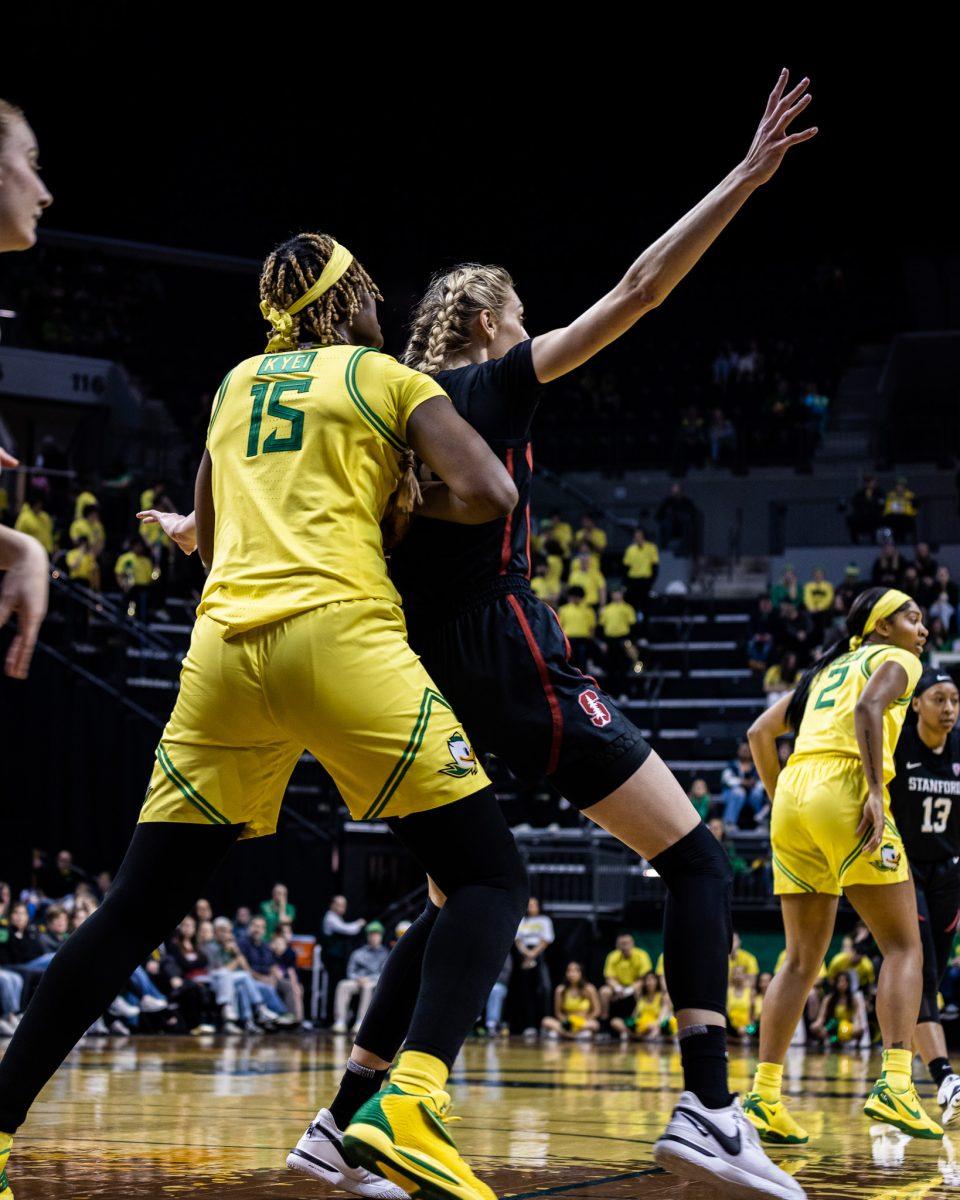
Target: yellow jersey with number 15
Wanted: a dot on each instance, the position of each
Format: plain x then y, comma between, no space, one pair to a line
306,448
827,727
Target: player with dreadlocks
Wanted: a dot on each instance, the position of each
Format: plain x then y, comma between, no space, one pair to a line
300,643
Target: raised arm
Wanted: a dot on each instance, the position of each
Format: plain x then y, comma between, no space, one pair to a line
886,685
661,266
476,486
762,736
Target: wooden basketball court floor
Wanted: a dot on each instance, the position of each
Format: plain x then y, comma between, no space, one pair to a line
215,1117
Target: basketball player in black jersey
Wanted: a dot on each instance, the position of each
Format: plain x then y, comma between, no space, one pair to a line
925,799
498,652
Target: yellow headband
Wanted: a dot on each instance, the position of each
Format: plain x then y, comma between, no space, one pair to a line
281,319
886,606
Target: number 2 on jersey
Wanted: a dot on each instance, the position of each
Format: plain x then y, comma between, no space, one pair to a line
283,412
840,674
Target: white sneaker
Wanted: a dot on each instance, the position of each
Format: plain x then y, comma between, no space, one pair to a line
319,1153
265,1017
719,1146
948,1097
338,1027
118,1027
153,1004
231,1027
230,1015
123,1008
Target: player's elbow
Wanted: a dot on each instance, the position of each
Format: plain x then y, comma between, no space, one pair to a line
641,293
494,497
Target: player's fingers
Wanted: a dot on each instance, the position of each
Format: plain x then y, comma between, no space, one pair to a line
23,646
796,138
7,460
791,114
777,92
790,98
864,824
149,517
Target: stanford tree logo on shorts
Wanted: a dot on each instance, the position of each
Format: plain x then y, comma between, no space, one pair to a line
595,709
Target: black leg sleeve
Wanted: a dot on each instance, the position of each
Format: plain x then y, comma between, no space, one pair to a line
391,1009
697,926
165,869
468,850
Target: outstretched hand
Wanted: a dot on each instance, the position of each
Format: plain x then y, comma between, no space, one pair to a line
771,141
179,529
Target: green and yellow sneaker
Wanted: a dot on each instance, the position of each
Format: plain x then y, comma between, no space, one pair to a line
6,1145
403,1138
773,1121
903,1110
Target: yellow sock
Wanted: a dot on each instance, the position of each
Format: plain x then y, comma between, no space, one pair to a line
766,1082
419,1073
898,1068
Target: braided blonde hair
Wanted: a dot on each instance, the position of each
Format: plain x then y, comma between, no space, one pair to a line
442,321
294,267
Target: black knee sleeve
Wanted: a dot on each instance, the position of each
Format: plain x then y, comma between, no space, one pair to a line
697,926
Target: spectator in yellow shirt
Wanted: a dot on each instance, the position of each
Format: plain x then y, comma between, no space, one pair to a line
848,958
642,561
135,574
744,959
82,564
591,533
578,621
90,527
554,529
818,596
83,499
617,620
585,573
34,520
623,972
900,512
4,504
545,586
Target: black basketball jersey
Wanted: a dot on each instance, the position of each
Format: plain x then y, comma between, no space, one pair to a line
440,565
925,796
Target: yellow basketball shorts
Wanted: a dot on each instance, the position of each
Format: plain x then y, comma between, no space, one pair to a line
340,681
813,830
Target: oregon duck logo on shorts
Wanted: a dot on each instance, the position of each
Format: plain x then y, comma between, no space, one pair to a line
463,760
889,857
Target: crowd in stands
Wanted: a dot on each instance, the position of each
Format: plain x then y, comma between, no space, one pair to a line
871,511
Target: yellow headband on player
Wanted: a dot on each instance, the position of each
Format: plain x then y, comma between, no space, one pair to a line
886,606
282,319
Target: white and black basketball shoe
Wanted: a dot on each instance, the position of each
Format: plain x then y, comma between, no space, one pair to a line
319,1153
719,1146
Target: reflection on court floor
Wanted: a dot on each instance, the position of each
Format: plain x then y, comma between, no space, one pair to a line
154,1117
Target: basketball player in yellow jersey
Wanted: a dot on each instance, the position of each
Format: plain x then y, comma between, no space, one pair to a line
23,197
831,830
300,643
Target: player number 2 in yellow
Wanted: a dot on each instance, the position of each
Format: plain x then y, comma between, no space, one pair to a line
840,674
273,444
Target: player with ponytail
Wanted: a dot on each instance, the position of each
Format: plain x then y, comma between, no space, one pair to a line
832,830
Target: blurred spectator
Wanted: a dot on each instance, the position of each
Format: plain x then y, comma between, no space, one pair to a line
84,498
576,1007
60,878
851,958
943,611
818,596
742,790
651,1016
722,437
586,574
691,443
780,678
938,637
888,566
263,967
56,929
617,620
900,511
678,519
762,638
910,581
33,519
241,920
941,599
287,980
795,631
185,971
700,798
534,935
925,563
842,1018
236,988
337,938
849,587
82,565
623,969
89,526
743,960
493,1016
817,406
740,996
591,533
543,586
134,573
557,530
203,910
865,511
578,621
787,589
642,561
278,908
363,971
